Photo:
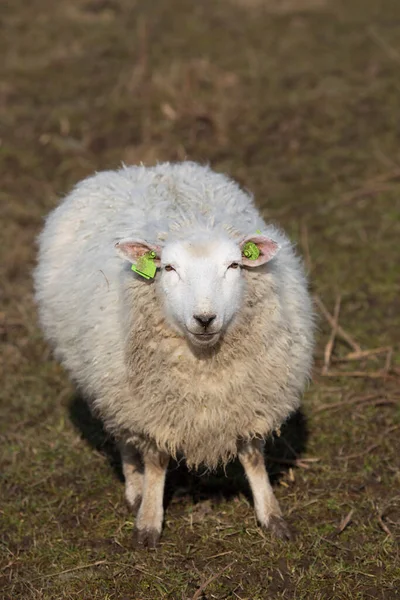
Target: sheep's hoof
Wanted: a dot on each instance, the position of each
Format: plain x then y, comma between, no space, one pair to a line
146,538
279,528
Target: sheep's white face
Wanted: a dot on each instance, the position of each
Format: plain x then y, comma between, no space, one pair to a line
202,287
201,281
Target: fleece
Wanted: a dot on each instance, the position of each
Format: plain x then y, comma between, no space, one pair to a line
107,325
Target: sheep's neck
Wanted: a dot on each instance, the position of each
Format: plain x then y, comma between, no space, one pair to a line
149,329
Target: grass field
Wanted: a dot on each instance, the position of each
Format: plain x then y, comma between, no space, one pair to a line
299,100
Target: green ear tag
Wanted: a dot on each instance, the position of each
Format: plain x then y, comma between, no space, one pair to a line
145,265
251,251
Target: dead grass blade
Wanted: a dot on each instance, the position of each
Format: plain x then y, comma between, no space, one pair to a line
203,586
389,50
79,568
367,374
138,568
8,565
370,399
344,522
220,554
372,446
331,342
305,245
383,525
303,463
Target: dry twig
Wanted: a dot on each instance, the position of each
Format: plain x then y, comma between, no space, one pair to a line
364,354
381,183
382,373
365,191
203,586
340,331
388,361
370,375
377,402
348,402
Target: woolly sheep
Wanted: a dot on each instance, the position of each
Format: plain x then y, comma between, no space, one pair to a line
205,359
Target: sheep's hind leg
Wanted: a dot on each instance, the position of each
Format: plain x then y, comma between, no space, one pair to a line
151,512
132,467
266,505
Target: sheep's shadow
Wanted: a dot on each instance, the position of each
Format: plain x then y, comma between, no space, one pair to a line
92,431
280,452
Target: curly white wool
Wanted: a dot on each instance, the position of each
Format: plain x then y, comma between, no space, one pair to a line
136,347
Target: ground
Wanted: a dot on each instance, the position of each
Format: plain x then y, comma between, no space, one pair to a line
299,100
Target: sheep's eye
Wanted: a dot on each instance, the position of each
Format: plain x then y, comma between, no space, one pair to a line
169,268
234,266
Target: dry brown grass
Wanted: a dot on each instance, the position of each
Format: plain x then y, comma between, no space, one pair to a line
300,102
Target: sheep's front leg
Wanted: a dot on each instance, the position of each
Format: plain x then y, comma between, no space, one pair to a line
132,467
266,505
150,516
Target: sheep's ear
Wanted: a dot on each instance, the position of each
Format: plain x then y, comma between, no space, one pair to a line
258,250
133,250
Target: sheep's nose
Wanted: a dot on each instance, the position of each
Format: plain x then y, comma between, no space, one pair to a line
204,320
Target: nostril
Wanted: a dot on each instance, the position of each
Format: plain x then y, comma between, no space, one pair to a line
204,320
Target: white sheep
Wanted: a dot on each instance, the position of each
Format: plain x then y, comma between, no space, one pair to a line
202,355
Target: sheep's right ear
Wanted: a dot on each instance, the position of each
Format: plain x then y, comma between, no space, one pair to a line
133,250
258,250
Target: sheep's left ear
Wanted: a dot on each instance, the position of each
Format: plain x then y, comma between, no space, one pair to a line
258,250
134,250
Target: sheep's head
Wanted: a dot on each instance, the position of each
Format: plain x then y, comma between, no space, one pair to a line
201,280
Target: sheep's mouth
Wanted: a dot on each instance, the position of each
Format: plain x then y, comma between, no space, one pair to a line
204,338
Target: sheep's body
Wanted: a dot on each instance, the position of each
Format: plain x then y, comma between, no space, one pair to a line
109,329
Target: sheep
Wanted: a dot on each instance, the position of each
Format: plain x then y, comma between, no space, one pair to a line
184,319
